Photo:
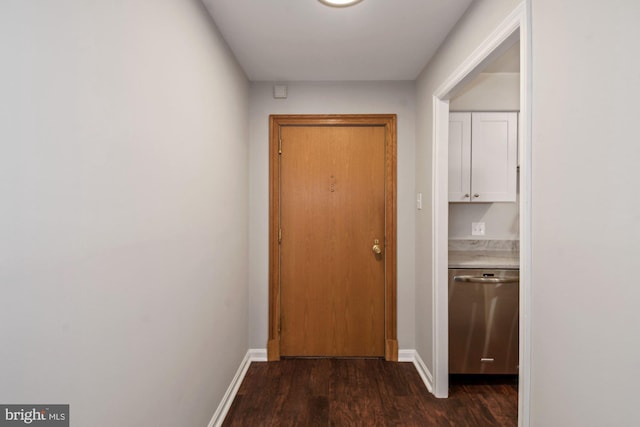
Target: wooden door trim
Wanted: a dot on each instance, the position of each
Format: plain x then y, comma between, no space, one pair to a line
388,121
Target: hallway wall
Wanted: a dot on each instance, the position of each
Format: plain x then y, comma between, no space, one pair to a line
586,215
476,24
330,98
123,185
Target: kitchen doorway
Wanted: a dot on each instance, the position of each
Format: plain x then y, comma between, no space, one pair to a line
332,290
514,29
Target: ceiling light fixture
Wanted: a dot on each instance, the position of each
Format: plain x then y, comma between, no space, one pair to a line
340,3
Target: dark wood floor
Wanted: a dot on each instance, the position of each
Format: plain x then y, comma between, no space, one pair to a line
366,392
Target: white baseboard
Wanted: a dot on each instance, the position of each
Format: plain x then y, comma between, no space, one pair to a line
412,356
258,354
406,356
253,355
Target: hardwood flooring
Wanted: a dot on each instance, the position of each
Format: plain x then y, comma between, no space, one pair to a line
366,392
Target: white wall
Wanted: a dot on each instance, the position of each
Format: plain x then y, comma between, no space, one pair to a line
501,220
586,213
123,189
481,18
330,98
487,92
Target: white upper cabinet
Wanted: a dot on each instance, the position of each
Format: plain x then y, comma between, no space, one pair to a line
459,157
483,157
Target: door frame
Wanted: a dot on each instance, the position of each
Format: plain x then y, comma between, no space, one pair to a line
517,26
388,121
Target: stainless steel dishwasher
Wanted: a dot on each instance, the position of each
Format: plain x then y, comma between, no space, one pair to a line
483,321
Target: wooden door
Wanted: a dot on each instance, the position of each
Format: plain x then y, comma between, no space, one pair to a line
332,209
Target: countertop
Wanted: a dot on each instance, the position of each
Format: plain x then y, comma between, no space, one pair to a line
484,254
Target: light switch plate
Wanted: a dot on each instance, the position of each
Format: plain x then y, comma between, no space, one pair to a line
477,228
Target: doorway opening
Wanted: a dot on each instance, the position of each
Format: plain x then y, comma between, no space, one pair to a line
514,29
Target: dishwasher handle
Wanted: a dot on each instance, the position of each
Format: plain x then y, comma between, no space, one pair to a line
482,279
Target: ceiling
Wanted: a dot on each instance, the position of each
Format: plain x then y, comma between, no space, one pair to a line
304,40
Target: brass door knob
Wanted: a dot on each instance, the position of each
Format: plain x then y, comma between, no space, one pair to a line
377,249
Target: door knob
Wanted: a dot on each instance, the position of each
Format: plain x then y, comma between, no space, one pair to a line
376,247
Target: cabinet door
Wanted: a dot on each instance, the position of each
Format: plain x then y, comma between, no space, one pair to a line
459,157
494,157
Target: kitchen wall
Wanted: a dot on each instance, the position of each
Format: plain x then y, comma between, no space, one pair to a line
330,98
586,215
487,92
482,17
124,218
501,220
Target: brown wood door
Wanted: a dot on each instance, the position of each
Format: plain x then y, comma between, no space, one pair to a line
332,212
